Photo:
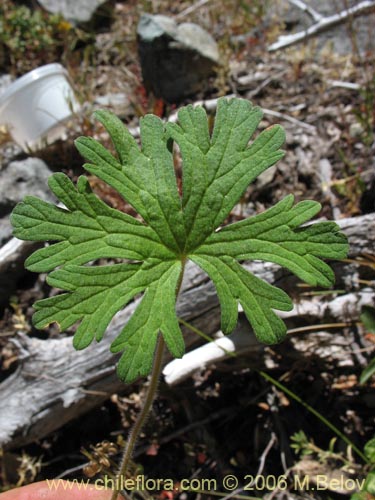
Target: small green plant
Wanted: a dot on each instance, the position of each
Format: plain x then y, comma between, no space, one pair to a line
303,446
368,490
175,228
30,38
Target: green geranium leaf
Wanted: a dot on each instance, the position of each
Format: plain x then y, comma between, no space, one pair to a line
217,168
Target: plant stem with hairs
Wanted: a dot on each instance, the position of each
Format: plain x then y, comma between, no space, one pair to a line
147,405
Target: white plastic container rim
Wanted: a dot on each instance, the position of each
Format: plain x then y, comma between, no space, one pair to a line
43,109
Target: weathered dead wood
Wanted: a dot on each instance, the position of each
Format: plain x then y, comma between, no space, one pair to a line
12,257
54,384
244,341
323,24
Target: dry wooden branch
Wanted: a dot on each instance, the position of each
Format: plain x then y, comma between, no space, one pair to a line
282,116
343,308
323,24
12,251
191,9
243,340
344,85
54,384
12,257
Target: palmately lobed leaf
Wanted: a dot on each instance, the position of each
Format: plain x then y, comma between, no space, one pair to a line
217,169
145,178
88,230
275,236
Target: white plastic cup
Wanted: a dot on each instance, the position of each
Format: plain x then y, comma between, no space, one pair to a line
35,106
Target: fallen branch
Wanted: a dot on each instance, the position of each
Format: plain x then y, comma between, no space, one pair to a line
12,257
323,24
290,119
344,85
54,383
243,340
191,9
13,251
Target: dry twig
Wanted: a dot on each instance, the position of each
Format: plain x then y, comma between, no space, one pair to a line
323,24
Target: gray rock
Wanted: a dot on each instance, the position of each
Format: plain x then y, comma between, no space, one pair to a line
21,178
75,11
176,60
356,130
266,177
10,151
193,37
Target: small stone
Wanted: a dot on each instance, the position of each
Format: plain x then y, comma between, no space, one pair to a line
305,162
266,177
176,60
75,11
9,151
194,37
356,130
21,178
